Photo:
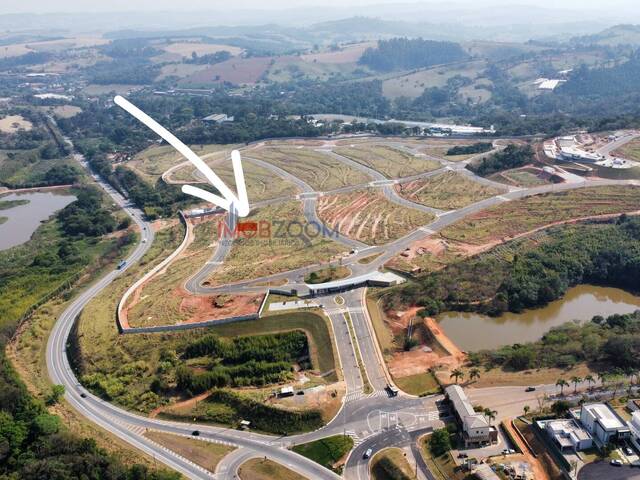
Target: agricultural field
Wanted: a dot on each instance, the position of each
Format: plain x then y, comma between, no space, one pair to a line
519,216
237,71
185,49
347,54
64,111
367,216
630,151
447,191
180,70
319,170
285,248
12,123
59,45
413,85
389,161
289,68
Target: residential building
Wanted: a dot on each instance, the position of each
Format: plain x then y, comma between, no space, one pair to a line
568,435
603,423
634,427
475,429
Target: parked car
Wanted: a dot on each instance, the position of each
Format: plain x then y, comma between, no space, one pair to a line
628,451
195,433
462,455
368,453
616,463
530,389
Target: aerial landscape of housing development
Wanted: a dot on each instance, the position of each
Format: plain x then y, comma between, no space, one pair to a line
320,240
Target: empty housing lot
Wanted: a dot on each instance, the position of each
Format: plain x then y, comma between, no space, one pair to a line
321,171
389,161
366,215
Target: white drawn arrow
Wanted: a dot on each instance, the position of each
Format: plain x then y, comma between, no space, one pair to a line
230,202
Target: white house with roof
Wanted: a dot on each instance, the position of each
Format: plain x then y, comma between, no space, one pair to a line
634,427
603,423
568,435
475,428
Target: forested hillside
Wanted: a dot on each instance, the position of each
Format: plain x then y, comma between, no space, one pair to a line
407,54
622,79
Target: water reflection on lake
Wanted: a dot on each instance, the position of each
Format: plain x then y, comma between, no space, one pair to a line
472,331
23,220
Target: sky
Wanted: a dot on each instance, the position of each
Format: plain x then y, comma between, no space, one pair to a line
66,6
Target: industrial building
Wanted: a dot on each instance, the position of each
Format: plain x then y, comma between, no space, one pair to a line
217,118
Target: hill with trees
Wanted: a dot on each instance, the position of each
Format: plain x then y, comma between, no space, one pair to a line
407,54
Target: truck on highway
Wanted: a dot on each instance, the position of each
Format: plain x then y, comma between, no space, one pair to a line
121,265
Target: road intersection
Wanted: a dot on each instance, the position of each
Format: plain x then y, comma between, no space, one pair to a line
373,418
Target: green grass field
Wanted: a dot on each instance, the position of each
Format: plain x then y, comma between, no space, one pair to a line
327,451
261,469
446,191
391,463
419,384
389,161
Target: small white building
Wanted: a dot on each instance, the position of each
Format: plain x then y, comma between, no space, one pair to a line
603,423
568,435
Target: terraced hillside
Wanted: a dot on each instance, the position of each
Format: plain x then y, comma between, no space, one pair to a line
319,170
389,161
366,215
447,191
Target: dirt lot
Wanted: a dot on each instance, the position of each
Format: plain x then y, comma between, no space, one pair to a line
13,123
630,151
446,191
367,215
235,70
389,161
278,250
162,300
318,169
523,177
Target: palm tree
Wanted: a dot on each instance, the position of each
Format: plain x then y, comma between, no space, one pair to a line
490,414
561,383
603,377
457,374
575,380
474,373
589,379
526,409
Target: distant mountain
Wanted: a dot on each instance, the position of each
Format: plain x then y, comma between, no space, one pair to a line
613,36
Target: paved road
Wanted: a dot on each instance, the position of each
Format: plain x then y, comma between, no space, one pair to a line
604,471
373,418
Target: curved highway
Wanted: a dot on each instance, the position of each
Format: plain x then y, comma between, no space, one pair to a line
371,419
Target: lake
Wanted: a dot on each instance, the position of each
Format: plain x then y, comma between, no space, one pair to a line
23,220
472,331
